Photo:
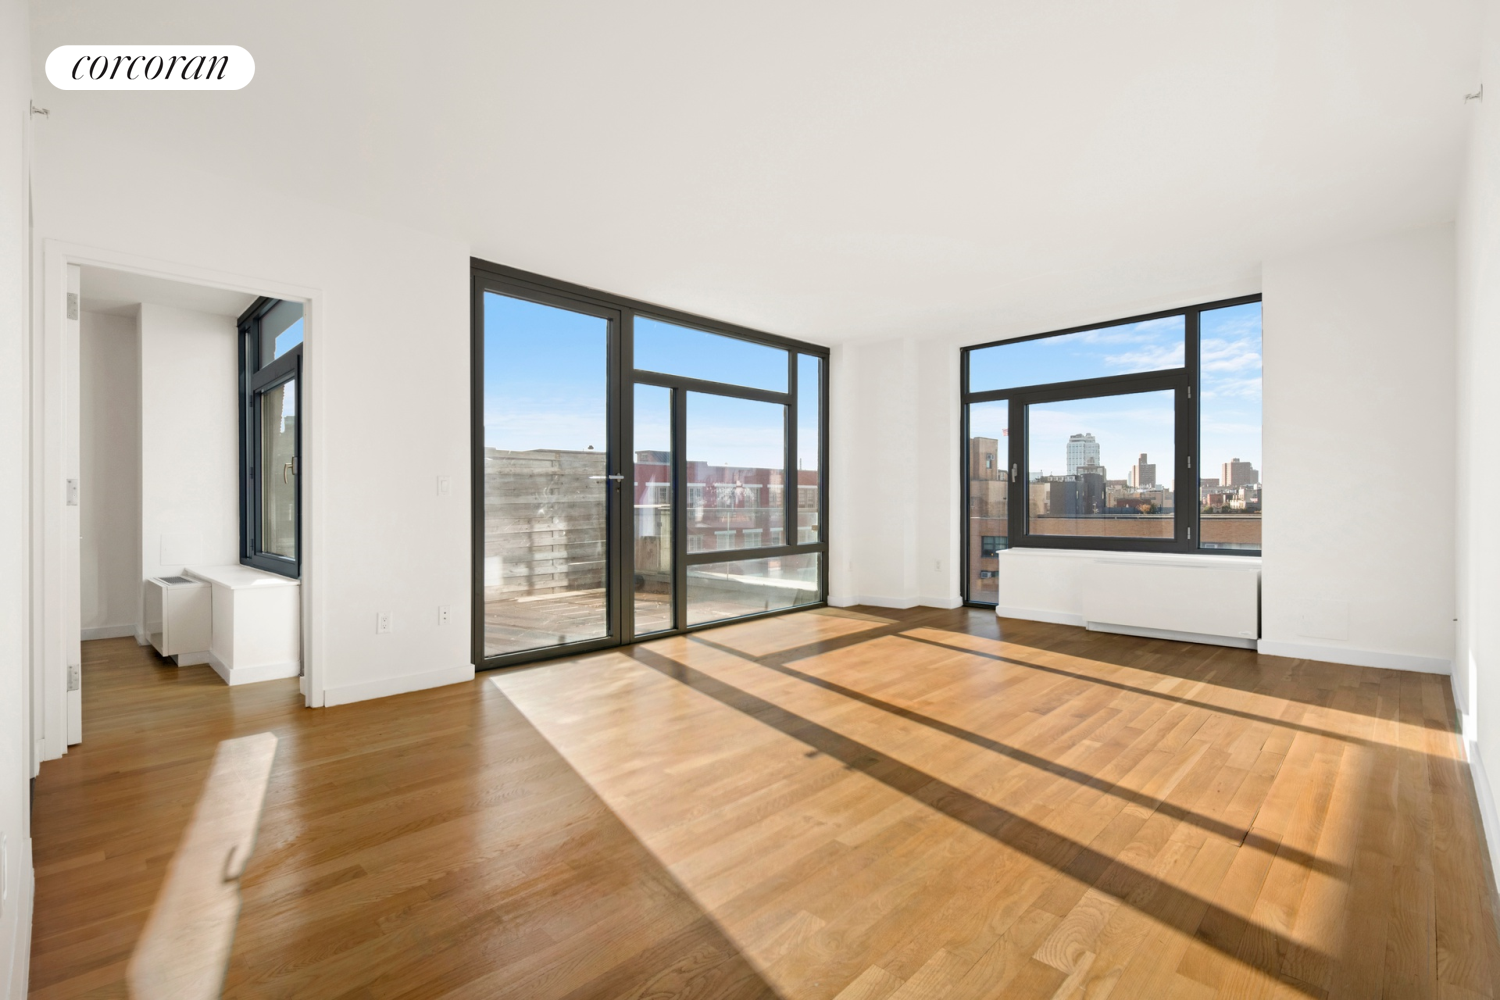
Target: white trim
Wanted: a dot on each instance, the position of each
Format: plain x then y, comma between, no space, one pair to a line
940,602
384,687
886,602
1042,615
141,637
23,896
106,632
242,675
1166,633
1147,558
1489,817
1356,657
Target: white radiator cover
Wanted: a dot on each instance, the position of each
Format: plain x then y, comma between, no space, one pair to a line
1179,599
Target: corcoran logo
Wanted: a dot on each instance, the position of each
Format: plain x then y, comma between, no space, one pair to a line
150,67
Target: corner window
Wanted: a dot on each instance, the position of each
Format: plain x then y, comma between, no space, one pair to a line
1139,434
271,436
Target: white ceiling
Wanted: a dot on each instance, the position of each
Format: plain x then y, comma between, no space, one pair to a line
837,169
120,293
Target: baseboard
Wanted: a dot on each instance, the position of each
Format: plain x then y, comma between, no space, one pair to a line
265,672
196,659
1166,633
141,638
1041,615
107,632
1355,657
384,687
940,602
242,675
22,895
1489,816
885,602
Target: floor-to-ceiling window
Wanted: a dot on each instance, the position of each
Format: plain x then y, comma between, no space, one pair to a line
637,472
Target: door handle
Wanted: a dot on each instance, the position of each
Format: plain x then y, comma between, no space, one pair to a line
607,477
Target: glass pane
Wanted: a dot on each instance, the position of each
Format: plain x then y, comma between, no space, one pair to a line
1229,490
280,331
653,509
1072,446
1149,346
720,590
278,470
678,350
545,498
736,473
989,447
809,447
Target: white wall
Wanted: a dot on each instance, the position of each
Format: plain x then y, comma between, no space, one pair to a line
15,717
893,512
386,388
1476,676
1359,356
189,443
110,400
1359,454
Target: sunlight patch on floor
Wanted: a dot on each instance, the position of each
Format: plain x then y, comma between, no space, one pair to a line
184,949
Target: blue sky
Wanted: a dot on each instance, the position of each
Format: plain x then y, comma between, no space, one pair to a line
1126,425
677,350
1115,350
1230,411
545,380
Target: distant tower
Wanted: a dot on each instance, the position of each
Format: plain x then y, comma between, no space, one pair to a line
1082,450
1143,473
1237,473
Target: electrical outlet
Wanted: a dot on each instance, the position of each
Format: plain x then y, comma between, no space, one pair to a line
382,623
443,616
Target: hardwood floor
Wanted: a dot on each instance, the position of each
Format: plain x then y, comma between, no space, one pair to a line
840,803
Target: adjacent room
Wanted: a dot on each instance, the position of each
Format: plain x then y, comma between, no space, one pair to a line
826,502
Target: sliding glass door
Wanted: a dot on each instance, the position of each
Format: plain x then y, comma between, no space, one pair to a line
637,473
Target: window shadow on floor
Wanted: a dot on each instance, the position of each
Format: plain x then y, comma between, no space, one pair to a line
1164,902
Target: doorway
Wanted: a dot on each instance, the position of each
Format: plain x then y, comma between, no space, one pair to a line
637,472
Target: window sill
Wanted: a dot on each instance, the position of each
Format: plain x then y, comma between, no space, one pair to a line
1204,559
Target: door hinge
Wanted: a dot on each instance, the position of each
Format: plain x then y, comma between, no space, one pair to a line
1190,534
1190,461
74,681
1190,392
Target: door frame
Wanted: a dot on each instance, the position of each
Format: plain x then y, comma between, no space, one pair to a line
622,379
53,390
617,431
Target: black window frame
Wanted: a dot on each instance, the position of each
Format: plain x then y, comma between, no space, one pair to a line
254,380
623,377
1183,382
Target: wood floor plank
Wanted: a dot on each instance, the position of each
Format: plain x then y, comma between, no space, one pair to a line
841,803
